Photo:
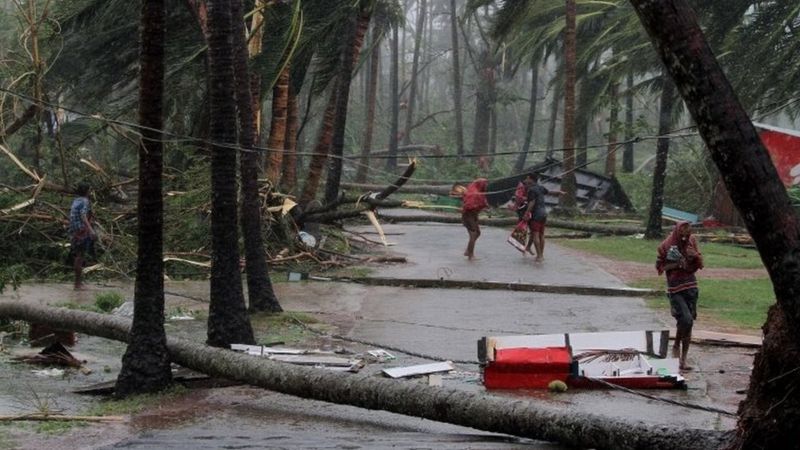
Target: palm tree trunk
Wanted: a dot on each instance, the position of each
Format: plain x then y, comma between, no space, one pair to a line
484,102
568,184
519,166
412,96
654,230
530,419
277,130
394,81
317,163
259,286
551,130
289,177
146,362
613,124
456,80
227,316
627,156
349,58
327,132
372,96
769,414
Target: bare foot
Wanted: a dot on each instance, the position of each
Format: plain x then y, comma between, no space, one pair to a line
539,259
686,368
676,353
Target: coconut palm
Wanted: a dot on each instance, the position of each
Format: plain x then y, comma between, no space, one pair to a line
146,362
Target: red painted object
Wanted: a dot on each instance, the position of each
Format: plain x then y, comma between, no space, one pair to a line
532,368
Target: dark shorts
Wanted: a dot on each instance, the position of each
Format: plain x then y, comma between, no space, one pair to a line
470,221
683,307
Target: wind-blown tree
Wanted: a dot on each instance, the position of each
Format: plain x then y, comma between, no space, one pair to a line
519,165
568,184
769,415
653,229
459,112
260,293
146,362
228,322
412,95
349,53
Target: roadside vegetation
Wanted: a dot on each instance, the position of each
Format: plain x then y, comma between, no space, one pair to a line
729,302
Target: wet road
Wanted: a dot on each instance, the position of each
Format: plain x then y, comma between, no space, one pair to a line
445,323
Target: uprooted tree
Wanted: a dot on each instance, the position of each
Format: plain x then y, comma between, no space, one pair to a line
531,419
769,415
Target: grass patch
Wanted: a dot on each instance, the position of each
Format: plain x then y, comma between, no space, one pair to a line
104,303
57,427
6,442
741,303
135,403
283,327
644,251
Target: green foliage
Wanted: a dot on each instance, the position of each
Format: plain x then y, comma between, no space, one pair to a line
108,301
644,251
286,327
136,403
12,275
57,427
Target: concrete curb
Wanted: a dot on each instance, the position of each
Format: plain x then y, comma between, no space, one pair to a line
498,285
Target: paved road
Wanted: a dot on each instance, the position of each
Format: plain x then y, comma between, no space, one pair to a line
444,323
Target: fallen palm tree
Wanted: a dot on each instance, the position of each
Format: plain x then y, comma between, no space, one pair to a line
530,419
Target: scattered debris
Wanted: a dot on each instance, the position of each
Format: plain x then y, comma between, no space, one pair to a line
52,372
420,369
381,355
316,358
53,354
634,359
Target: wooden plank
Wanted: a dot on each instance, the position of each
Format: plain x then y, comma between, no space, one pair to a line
420,369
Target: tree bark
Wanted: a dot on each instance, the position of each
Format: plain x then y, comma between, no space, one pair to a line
350,53
459,111
479,410
372,96
323,146
771,411
613,124
227,316
484,102
568,184
627,156
289,172
654,230
551,130
277,129
519,166
260,293
412,96
146,363
394,81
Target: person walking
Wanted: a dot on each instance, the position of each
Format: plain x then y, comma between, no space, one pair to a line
679,257
82,235
473,202
534,214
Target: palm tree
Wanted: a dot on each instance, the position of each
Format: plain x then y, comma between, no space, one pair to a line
349,56
627,155
456,80
412,96
768,416
372,95
259,286
568,164
394,85
146,362
519,166
277,130
228,322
